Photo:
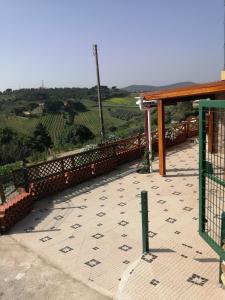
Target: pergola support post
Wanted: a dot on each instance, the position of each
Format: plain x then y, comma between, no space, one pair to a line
161,138
147,141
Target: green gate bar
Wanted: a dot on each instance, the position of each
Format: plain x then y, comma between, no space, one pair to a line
144,215
212,177
222,242
202,160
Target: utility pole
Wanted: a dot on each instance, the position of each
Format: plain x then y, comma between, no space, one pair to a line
102,133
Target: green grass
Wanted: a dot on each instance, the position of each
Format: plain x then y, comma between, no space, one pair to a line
121,101
22,125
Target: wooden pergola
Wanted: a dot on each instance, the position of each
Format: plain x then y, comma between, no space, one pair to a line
212,90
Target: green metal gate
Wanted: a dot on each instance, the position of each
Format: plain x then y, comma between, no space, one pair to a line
212,174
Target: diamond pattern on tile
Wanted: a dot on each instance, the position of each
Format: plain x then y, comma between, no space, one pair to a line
154,282
97,236
126,262
161,201
149,257
176,193
125,248
171,220
187,208
198,280
155,187
45,239
66,249
95,248
75,226
92,263
122,204
152,234
101,214
123,223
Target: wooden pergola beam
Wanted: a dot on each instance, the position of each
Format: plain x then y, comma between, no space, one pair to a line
197,91
161,138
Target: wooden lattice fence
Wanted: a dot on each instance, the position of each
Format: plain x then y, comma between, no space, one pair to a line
52,176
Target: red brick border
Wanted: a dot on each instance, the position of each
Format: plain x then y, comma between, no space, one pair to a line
15,210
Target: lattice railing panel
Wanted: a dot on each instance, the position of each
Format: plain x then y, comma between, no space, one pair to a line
18,178
64,164
119,149
45,170
129,144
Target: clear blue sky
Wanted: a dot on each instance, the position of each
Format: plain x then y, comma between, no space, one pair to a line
140,42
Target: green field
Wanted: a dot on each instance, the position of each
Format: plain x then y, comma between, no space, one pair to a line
91,120
55,123
20,124
125,101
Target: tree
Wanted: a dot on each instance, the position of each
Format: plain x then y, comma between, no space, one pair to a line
8,91
13,147
76,134
7,135
71,106
41,140
53,106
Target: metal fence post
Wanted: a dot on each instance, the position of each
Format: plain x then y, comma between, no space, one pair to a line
222,244
144,214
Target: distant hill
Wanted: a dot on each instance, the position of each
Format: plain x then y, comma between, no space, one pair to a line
134,88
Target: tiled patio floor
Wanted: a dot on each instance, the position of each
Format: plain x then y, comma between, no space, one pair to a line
93,232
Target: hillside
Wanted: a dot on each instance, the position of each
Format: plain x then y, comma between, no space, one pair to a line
36,121
134,88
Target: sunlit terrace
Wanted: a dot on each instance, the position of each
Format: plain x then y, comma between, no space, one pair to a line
93,232
82,213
